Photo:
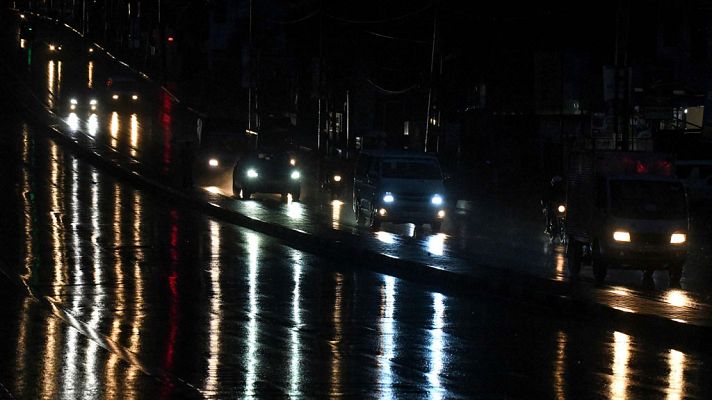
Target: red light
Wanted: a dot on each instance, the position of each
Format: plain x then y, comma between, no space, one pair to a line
170,39
640,167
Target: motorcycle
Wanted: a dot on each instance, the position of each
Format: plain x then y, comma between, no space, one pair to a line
556,229
334,182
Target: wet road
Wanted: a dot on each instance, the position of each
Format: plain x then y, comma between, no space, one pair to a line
128,296
124,295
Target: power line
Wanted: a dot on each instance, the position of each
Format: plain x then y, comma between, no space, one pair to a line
395,38
294,21
391,91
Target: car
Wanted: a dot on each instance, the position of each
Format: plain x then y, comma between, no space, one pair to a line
266,171
83,102
398,186
122,90
221,141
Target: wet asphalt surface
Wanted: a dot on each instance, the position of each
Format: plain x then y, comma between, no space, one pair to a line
114,293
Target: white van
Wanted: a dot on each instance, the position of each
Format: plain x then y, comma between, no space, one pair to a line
398,186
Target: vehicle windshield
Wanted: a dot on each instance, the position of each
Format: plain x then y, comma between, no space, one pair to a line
647,199
410,169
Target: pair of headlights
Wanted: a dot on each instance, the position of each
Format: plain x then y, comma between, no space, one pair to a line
624,236
133,97
252,173
435,200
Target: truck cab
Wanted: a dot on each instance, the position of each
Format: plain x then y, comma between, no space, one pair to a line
626,210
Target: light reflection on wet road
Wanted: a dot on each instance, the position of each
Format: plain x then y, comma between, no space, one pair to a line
164,302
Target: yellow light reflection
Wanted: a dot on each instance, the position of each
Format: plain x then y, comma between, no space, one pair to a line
59,78
90,74
336,213
436,244
111,373
50,358
134,134
385,237
253,249
621,359
214,332
93,124
387,334
296,357
51,70
73,122
138,315
29,261
72,344
678,298
676,378
620,291
114,129
436,347
97,300
336,341
560,272
560,366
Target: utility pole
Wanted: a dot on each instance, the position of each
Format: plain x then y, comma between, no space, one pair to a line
430,89
249,78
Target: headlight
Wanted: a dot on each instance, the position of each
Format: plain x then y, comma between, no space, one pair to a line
388,198
292,161
561,208
134,97
213,162
115,97
337,178
73,101
621,236
251,173
437,200
678,238
295,175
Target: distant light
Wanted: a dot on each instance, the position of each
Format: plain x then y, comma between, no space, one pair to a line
686,111
22,16
115,97
337,178
134,97
441,214
621,236
73,101
52,47
170,38
91,49
295,175
213,162
251,173
382,212
437,200
388,198
293,161
92,102
678,238
562,208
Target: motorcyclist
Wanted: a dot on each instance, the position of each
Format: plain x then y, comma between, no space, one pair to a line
554,195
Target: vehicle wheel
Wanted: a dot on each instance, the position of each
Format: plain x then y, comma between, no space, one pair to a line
574,251
436,226
600,269
675,275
